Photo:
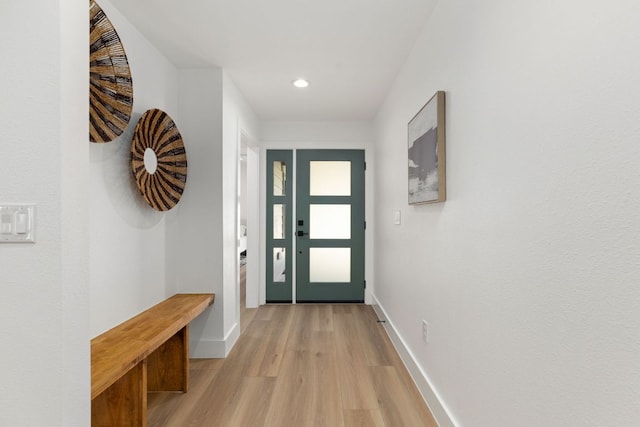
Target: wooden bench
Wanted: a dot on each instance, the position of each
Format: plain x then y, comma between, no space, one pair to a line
149,352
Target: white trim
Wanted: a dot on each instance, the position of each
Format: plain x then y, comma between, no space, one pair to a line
429,394
215,349
231,338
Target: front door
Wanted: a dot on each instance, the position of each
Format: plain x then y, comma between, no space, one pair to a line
330,226
279,228
327,233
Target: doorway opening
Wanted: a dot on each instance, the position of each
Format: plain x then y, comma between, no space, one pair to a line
248,229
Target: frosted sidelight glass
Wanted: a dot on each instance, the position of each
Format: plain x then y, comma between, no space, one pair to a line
279,272
329,178
330,221
279,178
278,221
330,265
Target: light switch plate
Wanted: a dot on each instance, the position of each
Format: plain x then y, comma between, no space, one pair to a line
17,223
397,217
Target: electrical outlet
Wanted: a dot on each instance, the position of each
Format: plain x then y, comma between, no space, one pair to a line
425,331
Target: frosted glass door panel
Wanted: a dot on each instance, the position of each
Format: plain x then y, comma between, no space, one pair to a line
329,178
330,265
278,221
330,221
279,264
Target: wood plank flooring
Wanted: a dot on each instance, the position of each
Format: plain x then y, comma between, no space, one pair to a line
298,366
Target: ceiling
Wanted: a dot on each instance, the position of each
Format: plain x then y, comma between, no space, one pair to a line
349,50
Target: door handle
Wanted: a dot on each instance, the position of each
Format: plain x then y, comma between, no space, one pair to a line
302,233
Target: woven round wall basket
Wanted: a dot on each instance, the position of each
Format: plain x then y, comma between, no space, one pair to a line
110,84
158,160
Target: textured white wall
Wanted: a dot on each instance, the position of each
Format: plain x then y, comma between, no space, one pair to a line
127,236
528,273
44,300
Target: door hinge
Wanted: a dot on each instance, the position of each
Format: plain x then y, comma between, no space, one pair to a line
365,284
365,165
365,225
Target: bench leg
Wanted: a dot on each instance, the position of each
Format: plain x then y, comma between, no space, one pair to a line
168,366
124,403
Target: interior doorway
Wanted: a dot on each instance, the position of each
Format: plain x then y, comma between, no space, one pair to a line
248,228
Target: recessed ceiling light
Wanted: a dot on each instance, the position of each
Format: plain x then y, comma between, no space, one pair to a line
301,83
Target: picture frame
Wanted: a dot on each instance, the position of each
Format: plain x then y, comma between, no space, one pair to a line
426,153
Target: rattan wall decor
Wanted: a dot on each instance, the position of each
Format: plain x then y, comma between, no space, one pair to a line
110,84
156,139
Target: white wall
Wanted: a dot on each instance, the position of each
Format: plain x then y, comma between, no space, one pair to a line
44,302
194,239
203,228
127,236
528,273
356,135
75,298
347,135
237,120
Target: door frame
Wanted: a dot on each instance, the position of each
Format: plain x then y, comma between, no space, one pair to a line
252,164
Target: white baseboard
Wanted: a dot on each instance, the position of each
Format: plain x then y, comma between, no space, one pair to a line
419,377
215,349
231,338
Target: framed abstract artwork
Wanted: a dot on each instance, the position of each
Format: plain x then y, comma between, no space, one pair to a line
426,134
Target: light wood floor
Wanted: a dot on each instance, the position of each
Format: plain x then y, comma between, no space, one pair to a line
298,366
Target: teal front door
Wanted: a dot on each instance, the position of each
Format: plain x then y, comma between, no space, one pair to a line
323,237
330,225
279,258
